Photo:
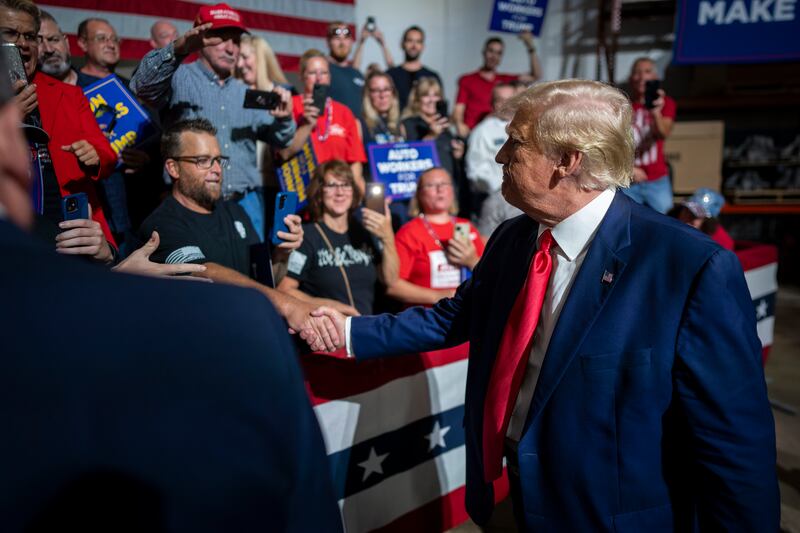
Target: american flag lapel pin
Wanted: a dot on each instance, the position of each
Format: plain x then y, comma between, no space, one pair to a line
608,277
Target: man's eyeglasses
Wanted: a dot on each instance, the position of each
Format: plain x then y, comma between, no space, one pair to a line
339,32
330,186
103,39
205,162
437,186
10,35
52,40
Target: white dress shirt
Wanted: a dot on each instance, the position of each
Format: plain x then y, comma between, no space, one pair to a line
572,237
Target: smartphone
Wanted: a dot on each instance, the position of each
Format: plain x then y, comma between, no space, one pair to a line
441,107
261,264
461,231
254,99
285,204
13,61
651,88
75,206
320,94
375,197
370,25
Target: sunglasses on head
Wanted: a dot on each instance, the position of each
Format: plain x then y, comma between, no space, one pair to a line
341,32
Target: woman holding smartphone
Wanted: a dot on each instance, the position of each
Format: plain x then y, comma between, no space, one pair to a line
341,259
425,119
333,130
437,250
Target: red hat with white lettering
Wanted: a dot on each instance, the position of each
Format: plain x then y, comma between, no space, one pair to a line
221,16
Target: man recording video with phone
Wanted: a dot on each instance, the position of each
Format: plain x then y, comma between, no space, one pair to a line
207,88
653,118
76,153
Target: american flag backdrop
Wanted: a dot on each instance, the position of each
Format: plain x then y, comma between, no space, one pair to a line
760,264
290,26
394,432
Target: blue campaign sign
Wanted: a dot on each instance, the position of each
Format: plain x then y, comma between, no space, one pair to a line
124,122
295,173
515,16
736,31
399,165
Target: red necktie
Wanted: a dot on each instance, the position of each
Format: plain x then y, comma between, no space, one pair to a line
509,365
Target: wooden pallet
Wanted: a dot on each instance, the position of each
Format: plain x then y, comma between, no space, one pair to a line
764,196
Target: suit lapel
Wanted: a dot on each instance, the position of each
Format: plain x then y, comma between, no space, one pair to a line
586,298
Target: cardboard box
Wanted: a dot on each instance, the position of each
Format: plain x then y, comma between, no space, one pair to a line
695,152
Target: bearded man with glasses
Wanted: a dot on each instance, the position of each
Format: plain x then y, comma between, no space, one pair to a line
195,225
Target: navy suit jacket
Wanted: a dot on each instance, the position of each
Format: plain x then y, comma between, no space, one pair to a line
137,404
650,412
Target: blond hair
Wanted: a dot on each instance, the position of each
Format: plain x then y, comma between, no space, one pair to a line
268,70
418,90
584,116
371,116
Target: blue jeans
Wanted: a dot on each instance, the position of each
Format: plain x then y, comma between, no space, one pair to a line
253,205
656,193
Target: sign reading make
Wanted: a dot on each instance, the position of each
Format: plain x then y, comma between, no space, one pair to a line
399,165
515,16
736,31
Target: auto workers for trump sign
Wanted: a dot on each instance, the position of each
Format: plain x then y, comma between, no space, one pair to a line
736,31
399,165
515,16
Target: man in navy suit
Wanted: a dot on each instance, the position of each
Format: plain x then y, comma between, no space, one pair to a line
639,402
190,417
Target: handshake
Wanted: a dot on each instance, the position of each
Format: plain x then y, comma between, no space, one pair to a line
323,329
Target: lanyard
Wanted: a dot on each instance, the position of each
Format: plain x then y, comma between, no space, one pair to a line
433,233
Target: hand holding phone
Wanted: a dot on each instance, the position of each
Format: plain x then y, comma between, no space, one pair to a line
370,25
441,108
285,204
319,95
651,88
461,231
75,206
254,99
375,197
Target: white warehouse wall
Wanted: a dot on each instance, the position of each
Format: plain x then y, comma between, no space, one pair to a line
456,30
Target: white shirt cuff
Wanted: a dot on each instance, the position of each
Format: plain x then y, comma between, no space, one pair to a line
348,345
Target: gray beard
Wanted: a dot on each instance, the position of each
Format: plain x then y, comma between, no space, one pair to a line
57,70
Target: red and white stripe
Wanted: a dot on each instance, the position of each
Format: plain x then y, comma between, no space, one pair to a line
290,26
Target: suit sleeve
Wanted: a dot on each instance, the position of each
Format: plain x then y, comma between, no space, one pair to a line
418,329
720,389
92,133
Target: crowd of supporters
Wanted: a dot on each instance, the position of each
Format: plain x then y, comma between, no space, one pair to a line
202,192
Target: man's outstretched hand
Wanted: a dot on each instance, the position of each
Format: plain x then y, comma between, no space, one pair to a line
324,331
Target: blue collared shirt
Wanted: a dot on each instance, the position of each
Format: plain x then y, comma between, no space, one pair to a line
192,90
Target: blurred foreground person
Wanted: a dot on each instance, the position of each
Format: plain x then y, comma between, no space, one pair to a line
197,423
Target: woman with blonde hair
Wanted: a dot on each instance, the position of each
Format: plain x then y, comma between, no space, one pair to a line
422,122
258,66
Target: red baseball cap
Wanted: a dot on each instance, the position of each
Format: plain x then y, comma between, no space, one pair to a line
221,16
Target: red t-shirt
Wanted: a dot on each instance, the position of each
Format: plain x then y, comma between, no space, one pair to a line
475,92
422,261
649,149
343,141
723,238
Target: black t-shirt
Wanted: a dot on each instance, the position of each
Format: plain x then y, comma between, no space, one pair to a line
347,86
317,271
224,236
404,80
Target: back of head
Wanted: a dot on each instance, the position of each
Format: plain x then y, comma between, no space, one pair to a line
584,116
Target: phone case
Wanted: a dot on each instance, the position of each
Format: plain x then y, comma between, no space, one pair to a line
284,207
